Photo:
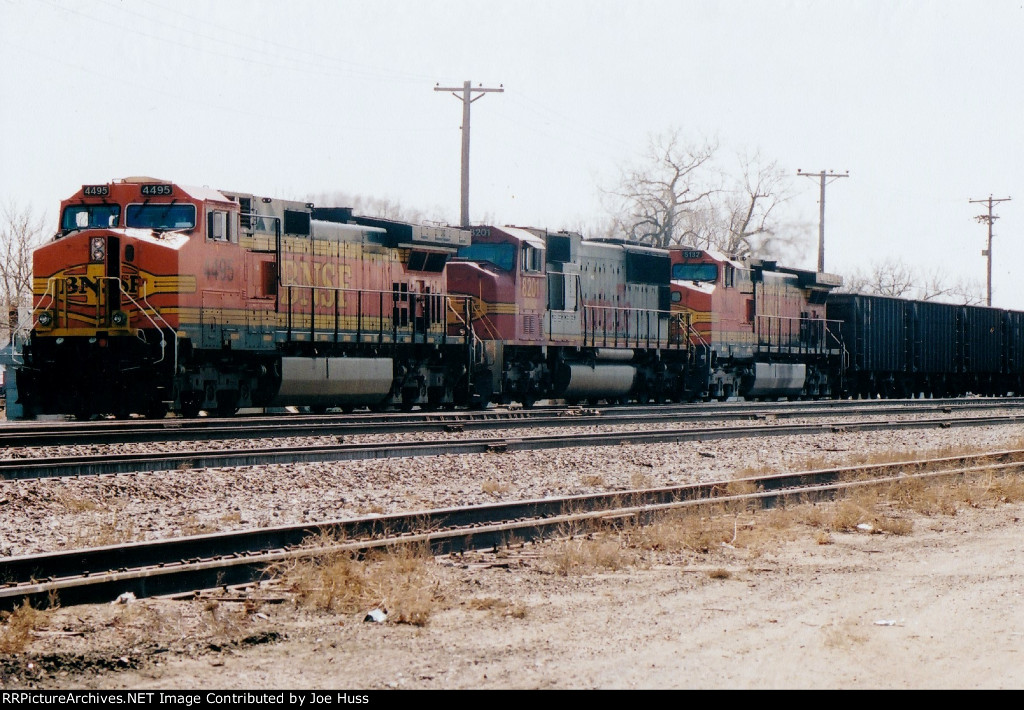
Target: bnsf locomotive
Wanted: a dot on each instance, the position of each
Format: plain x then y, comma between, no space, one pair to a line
154,296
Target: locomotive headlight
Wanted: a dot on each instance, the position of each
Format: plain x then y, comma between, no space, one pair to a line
45,319
119,318
97,249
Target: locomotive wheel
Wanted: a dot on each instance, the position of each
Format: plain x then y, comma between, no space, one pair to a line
227,404
409,395
190,405
156,410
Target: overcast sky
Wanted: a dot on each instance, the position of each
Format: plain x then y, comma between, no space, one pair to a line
920,100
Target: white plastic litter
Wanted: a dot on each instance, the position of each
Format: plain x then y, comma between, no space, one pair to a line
377,615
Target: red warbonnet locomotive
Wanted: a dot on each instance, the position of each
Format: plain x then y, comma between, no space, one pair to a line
155,296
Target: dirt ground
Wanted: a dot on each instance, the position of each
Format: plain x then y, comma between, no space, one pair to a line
939,607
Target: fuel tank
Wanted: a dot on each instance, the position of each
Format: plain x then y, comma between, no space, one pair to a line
578,381
334,380
776,380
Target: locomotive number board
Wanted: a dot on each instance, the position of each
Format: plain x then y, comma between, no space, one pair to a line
95,190
154,190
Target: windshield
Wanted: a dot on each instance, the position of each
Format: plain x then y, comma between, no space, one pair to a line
501,255
90,216
695,272
161,216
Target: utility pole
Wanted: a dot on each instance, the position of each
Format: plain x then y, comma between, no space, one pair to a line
823,176
467,98
989,219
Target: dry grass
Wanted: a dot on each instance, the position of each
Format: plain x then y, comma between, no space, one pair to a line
191,525
847,515
594,480
400,581
945,495
866,458
993,488
226,620
737,525
495,488
684,530
639,479
74,504
111,529
18,625
889,525
406,584
502,607
583,555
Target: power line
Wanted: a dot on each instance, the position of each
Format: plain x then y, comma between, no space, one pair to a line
989,219
467,98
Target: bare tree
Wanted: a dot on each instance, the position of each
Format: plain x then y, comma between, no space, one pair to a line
748,210
660,199
679,194
893,277
21,230
882,278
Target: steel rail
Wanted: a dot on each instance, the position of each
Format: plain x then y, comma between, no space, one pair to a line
110,432
104,464
176,565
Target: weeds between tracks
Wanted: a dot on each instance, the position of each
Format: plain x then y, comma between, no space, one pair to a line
411,587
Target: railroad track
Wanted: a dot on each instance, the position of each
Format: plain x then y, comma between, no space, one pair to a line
179,565
105,464
208,429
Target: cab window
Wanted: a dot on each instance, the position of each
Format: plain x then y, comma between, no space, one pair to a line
90,216
161,216
501,255
695,272
219,226
531,258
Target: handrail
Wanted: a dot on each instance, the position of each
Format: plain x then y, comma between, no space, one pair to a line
810,334
21,326
145,299
145,308
692,329
619,330
433,317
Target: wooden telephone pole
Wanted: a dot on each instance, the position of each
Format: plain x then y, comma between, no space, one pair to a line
823,175
467,98
989,219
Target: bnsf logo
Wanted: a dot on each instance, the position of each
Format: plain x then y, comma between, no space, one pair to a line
76,285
